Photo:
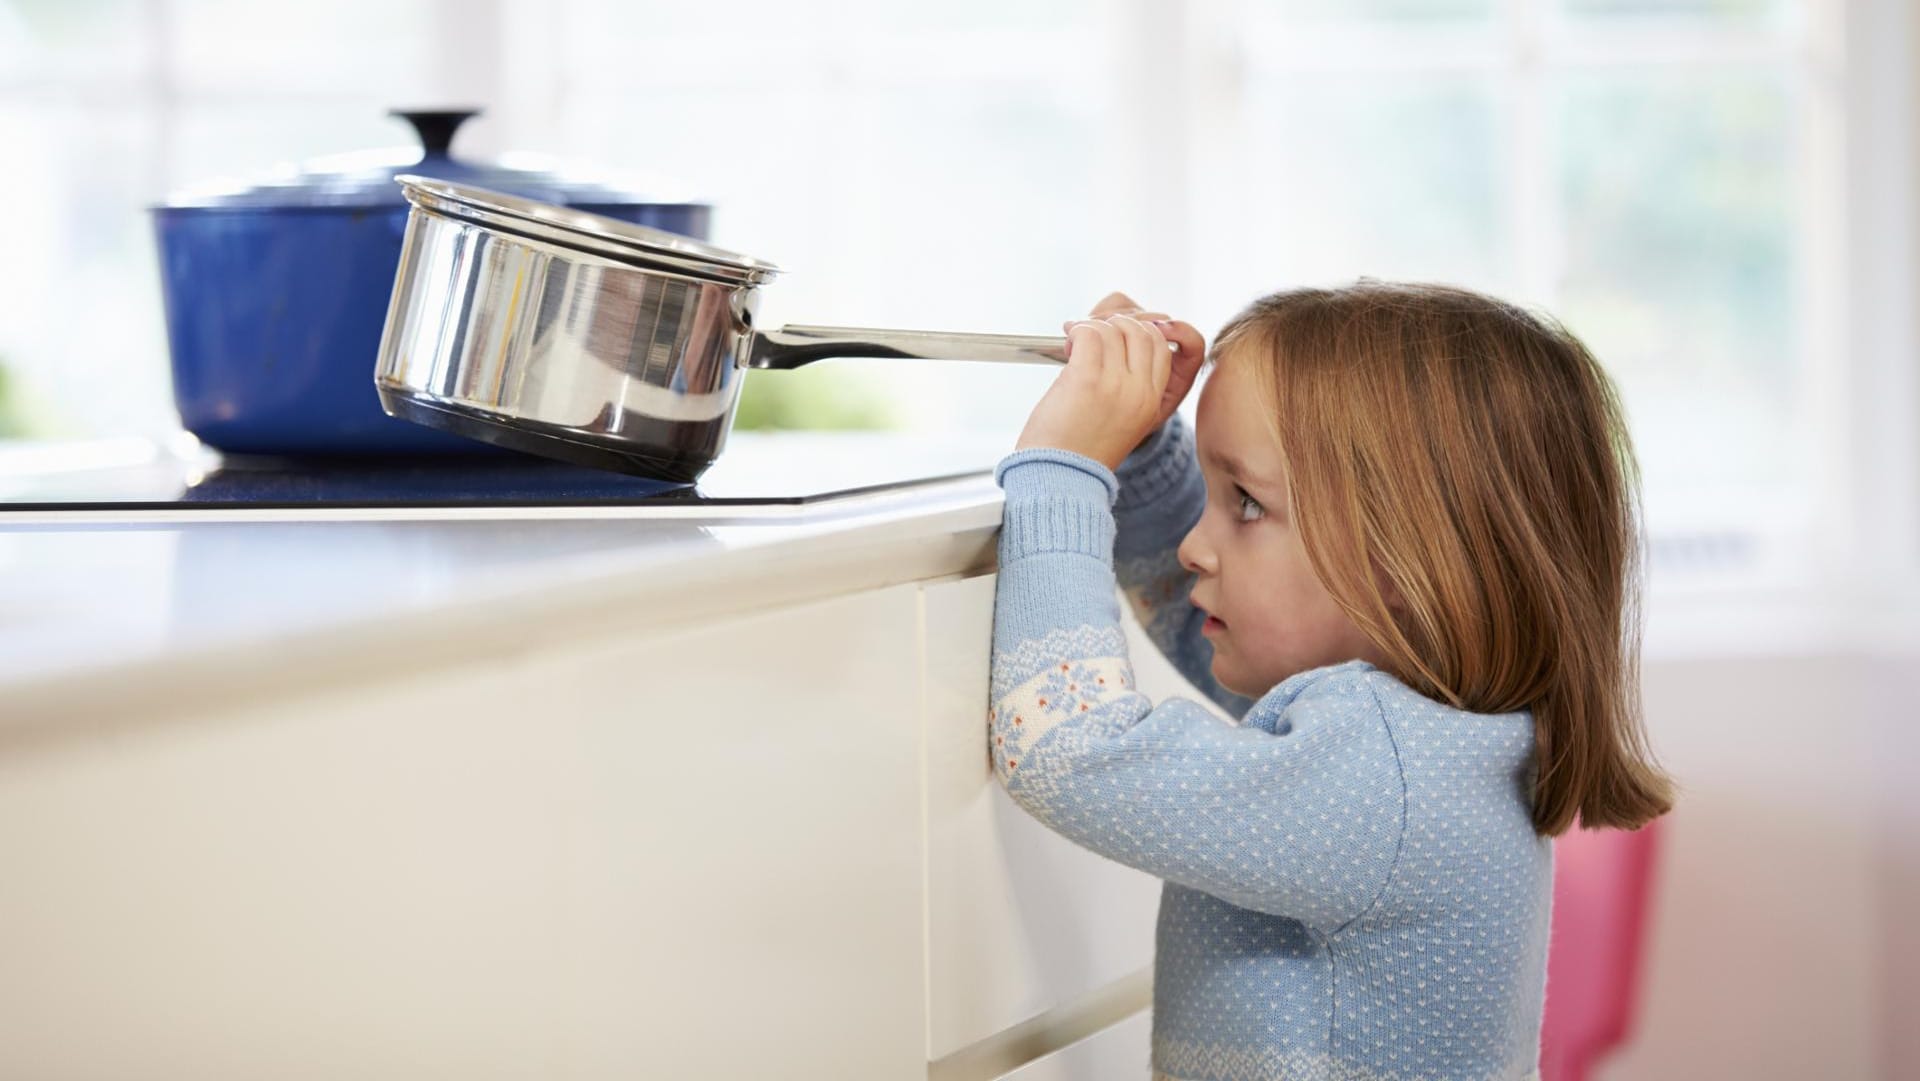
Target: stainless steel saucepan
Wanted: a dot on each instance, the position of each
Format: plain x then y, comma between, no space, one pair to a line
595,341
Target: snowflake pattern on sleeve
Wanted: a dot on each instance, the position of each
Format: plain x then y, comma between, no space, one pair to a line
1062,692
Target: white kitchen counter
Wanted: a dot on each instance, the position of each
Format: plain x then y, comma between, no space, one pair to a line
504,792
111,609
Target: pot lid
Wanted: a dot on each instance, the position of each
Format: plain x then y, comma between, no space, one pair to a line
582,231
365,178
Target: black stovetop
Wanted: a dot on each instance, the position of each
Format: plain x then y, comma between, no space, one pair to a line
755,468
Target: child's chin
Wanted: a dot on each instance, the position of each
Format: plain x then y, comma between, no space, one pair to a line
1227,682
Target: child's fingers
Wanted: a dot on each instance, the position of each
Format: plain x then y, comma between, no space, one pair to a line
1113,352
1083,346
1143,342
1162,360
1191,343
1093,348
1130,331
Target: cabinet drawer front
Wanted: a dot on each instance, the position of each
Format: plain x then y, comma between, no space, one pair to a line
1020,920
1121,1053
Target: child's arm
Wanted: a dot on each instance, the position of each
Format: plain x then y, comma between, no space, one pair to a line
1161,497
1298,812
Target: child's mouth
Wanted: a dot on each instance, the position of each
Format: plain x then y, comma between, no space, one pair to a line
1212,624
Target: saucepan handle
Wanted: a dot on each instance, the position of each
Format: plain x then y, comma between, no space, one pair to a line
791,346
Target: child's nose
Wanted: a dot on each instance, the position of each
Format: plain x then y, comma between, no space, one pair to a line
1195,554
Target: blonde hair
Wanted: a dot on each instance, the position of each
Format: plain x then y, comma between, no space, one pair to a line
1476,457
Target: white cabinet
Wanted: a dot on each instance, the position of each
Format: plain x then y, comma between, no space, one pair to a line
693,853
760,846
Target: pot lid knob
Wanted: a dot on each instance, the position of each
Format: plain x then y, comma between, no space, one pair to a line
435,127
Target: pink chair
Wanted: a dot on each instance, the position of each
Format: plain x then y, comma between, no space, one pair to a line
1602,895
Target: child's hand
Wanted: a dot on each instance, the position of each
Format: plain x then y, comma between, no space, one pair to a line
1190,346
1108,397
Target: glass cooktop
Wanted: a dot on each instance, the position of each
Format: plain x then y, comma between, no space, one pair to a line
755,468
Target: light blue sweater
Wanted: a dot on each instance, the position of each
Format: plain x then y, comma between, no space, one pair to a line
1354,891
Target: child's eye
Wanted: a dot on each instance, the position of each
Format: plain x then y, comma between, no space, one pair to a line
1247,503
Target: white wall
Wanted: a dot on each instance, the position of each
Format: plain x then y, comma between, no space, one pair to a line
1778,947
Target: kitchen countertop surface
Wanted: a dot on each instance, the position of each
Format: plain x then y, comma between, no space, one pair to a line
111,610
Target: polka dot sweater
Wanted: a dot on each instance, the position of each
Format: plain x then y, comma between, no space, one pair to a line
1353,888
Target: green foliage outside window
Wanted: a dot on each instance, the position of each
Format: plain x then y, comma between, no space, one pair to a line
13,412
816,398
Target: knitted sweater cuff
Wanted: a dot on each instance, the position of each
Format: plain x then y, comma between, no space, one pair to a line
1159,467
1057,501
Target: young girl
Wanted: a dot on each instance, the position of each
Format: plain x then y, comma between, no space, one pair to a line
1403,558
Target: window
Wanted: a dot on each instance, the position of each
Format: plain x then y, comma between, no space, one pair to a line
1647,170
1659,173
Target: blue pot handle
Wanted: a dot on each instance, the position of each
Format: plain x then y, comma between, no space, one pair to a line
435,128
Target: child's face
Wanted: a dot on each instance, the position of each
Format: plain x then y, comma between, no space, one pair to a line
1273,618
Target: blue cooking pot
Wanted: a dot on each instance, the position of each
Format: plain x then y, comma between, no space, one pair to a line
276,293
